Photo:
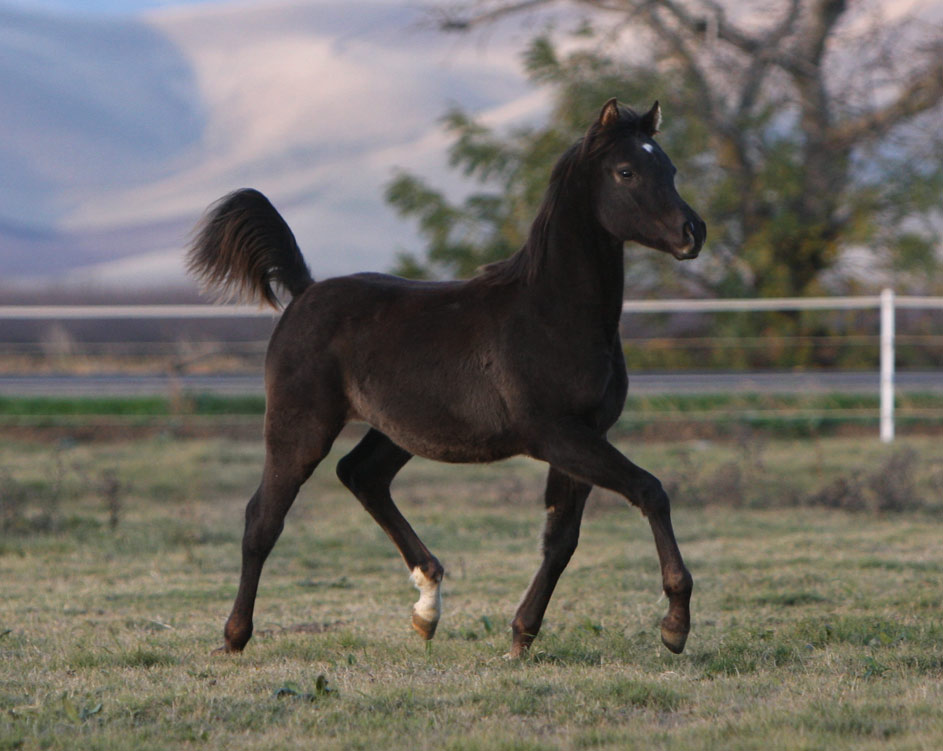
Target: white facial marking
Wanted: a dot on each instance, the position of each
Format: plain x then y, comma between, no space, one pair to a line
429,605
649,148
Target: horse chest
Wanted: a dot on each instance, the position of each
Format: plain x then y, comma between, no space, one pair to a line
582,383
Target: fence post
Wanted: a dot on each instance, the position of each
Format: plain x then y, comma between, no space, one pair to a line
887,365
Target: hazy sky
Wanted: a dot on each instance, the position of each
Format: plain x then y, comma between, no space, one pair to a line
106,7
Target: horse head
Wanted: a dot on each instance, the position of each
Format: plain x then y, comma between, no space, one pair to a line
634,192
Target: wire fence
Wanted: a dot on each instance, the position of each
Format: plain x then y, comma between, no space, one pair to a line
169,348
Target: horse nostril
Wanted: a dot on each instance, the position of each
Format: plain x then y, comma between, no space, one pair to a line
691,242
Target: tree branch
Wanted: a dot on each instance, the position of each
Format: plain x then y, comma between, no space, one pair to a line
824,15
762,61
699,25
922,94
685,54
454,20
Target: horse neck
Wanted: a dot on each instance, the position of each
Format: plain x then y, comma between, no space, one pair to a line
581,274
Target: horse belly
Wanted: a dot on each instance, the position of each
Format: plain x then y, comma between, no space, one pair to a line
455,425
454,447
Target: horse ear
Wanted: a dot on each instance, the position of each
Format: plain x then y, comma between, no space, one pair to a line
609,115
651,120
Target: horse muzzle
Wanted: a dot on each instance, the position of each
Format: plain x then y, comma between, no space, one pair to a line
694,234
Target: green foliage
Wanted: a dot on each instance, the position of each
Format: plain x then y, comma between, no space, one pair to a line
514,168
44,405
779,212
156,406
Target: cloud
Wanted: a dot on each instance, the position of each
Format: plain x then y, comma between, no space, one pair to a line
155,117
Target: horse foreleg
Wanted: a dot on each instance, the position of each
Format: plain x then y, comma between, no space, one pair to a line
676,580
588,456
565,499
368,471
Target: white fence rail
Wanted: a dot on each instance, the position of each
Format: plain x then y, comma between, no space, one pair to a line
887,303
106,312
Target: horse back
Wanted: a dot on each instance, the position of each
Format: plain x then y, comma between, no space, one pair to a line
452,371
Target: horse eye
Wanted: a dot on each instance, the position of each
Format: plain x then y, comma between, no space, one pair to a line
625,174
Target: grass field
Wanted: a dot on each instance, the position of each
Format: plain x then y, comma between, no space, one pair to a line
654,416
818,605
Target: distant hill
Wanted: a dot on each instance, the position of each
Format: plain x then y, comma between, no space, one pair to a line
117,133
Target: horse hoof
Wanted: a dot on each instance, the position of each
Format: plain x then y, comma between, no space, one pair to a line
225,650
674,640
426,629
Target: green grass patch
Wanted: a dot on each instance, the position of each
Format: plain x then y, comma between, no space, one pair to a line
150,406
210,404
724,415
656,416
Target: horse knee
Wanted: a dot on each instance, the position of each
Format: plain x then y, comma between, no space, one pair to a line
346,468
652,498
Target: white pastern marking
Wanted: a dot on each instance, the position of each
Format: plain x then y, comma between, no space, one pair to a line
429,605
649,148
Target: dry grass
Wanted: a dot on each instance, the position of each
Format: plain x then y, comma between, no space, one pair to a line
814,627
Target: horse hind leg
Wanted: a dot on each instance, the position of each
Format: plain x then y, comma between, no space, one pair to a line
368,471
292,454
565,499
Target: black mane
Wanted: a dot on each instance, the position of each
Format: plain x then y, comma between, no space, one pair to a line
566,178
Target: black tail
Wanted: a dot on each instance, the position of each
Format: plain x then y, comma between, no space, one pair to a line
243,245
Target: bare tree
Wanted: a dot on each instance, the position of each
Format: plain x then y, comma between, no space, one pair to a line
804,102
